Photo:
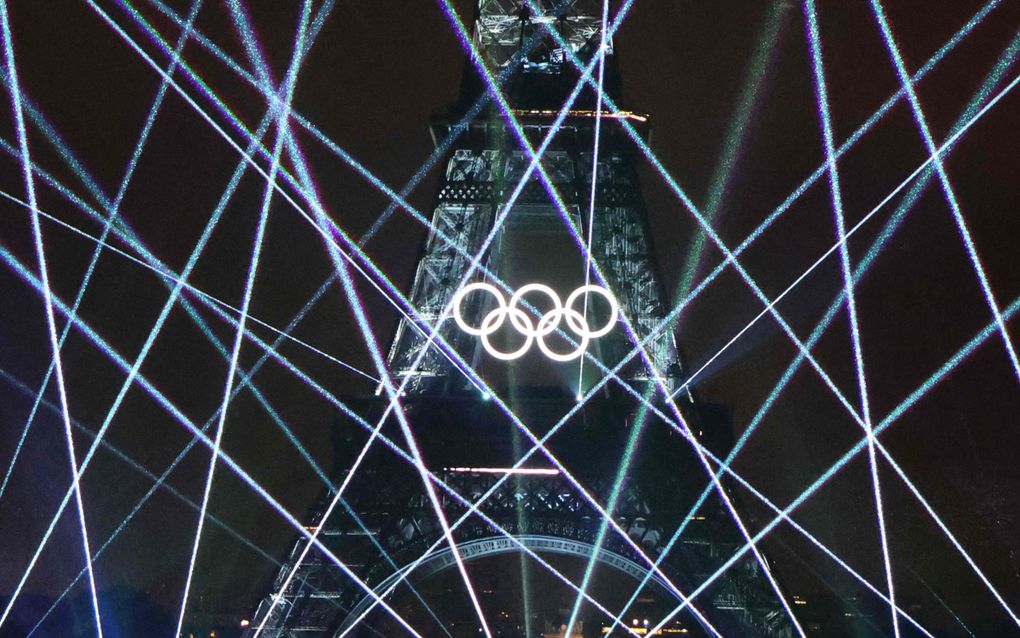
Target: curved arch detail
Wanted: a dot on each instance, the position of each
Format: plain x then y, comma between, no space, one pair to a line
495,545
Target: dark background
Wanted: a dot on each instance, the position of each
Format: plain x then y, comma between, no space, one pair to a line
372,80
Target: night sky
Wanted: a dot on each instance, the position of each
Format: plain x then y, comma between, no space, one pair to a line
374,77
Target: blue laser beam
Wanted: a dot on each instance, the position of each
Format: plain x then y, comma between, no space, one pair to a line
938,376
106,424
217,102
246,379
822,97
160,482
725,167
334,229
970,25
185,422
362,321
737,130
476,59
591,203
397,198
947,187
281,125
394,393
611,502
315,132
149,343
152,262
94,259
991,103
133,370
952,538
1002,65
309,381
26,165
635,432
397,449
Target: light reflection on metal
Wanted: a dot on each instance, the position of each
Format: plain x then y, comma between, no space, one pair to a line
533,471
616,115
547,323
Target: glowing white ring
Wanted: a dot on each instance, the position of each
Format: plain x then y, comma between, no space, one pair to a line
557,310
464,292
582,345
548,322
614,312
497,319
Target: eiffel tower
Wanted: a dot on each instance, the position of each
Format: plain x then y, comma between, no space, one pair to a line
535,530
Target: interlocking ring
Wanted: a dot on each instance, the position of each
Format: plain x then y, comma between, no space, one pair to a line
548,323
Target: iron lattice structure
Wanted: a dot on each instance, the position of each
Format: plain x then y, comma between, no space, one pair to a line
387,523
478,180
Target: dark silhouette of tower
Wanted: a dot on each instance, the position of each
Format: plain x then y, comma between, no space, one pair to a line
488,204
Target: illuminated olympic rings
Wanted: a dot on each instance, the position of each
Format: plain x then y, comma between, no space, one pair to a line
547,323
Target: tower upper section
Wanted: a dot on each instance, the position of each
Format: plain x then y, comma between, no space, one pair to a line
531,45
505,27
